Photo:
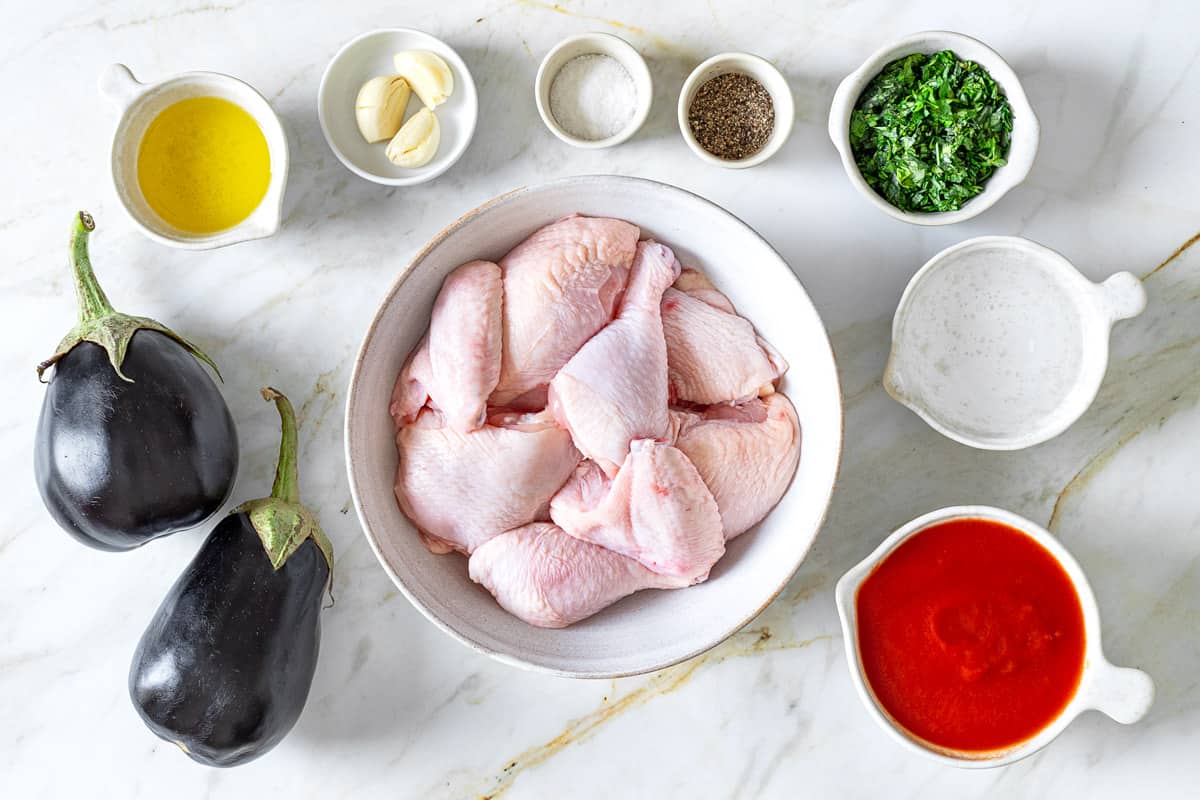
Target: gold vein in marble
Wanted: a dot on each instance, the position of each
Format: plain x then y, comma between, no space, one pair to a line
747,642
1183,396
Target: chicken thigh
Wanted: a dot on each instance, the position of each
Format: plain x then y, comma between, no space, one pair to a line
614,390
713,355
696,283
460,489
657,511
746,455
457,365
551,580
561,285
411,392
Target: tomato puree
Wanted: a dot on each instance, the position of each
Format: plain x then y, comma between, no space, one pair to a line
971,635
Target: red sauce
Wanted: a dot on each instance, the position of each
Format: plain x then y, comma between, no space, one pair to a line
971,635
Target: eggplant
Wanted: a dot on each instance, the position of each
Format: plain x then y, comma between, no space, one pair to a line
135,440
225,666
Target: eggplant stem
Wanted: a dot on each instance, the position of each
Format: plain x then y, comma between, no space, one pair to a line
99,323
287,481
93,303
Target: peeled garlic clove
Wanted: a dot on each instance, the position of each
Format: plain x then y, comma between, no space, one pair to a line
428,75
417,141
379,107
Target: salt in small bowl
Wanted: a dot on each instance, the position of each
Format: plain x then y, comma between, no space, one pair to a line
594,44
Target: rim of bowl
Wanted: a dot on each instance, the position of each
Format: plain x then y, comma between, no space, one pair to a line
1083,294
267,217
1094,662
464,77
761,70
349,424
629,58
1023,143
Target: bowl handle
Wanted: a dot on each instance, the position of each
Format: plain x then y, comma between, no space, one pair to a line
1123,693
119,86
1123,296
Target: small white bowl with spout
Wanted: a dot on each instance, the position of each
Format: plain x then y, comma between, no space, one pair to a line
139,103
1122,693
1000,343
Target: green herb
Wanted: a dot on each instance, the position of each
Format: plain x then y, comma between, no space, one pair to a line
929,130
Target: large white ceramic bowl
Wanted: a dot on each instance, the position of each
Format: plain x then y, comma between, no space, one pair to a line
651,629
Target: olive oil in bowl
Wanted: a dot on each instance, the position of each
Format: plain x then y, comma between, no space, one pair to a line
203,165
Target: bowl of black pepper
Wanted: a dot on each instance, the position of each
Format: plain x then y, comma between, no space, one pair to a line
735,110
934,128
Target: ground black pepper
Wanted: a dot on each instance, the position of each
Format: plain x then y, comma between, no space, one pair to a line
732,116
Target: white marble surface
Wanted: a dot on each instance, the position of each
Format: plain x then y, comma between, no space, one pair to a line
400,710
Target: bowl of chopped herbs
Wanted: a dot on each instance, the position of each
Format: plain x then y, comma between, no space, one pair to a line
934,128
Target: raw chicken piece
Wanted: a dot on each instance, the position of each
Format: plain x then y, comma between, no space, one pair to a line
614,390
464,343
657,510
457,365
561,285
714,355
551,580
460,489
697,284
411,392
746,455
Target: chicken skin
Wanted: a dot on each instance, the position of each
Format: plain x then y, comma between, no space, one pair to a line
657,510
745,454
561,286
460,489
713,355
549,579
614,390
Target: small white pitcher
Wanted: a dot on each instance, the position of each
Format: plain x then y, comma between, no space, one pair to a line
139,103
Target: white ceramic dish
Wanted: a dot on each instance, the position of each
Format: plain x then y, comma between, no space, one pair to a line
1025,133
139,103
1123,694
1000,343
650,629
762,71
602,44
367,56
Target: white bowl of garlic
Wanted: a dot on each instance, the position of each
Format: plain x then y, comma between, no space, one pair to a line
397,106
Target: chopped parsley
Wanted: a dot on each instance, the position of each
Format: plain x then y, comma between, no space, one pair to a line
929,130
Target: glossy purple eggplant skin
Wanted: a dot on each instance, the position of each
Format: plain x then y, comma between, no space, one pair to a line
121,463
225,666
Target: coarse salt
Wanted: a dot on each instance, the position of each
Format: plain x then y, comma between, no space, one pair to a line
593,97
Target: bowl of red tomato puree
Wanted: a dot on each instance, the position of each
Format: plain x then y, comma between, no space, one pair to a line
973,637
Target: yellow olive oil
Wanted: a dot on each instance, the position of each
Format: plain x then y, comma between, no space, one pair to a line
203,164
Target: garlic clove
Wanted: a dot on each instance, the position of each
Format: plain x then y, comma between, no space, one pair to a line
379,107
417,141
429,76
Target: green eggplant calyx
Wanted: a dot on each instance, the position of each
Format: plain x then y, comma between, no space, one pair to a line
281,521
98,322
283,527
